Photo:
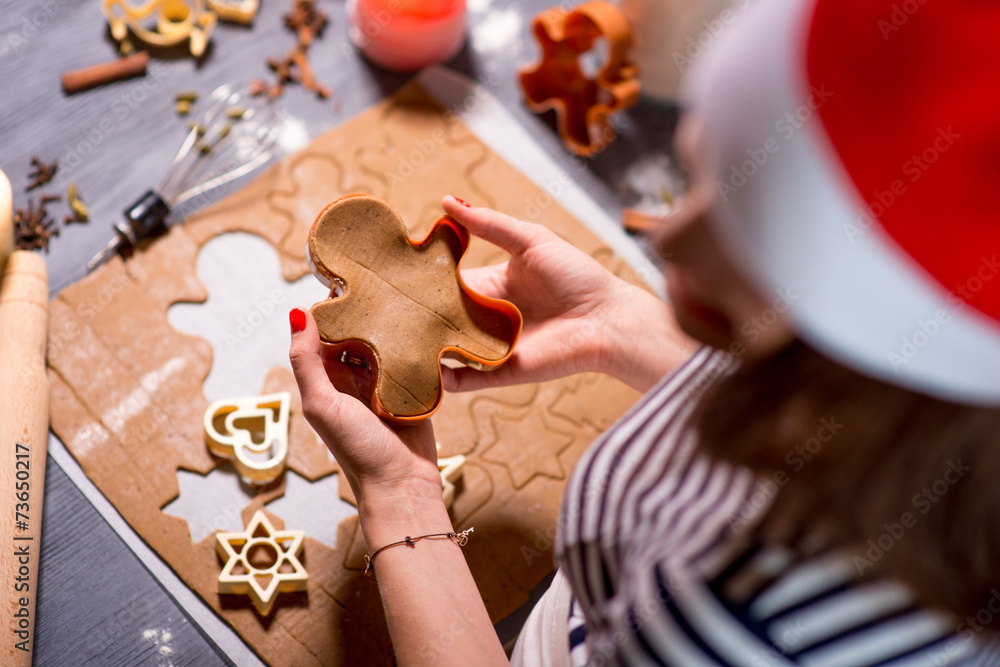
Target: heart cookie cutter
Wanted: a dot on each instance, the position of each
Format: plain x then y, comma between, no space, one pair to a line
243,571
176,21
262,460
583,105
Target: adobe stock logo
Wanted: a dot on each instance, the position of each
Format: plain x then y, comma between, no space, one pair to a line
893,532
901,13
786,126
926,329
913,169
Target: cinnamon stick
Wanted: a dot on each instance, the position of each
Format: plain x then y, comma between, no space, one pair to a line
98,75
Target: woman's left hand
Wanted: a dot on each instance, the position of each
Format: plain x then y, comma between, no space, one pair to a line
395,478
375,457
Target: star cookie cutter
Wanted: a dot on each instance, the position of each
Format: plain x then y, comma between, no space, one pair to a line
583,105
450,468
176,21
243,572
262,460
402,304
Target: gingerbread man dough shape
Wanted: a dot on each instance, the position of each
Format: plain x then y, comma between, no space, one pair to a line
403,304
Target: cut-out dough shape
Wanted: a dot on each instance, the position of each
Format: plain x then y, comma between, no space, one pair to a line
403,305
259,462
582,105
245,318
315,507
451,471
176,21
210,502
241,576
525,463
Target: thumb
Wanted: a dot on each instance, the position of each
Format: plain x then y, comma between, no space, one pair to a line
307,362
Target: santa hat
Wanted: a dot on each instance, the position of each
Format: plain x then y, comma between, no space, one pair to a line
856,149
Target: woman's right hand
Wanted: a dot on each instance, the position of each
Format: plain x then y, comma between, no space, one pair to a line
578,316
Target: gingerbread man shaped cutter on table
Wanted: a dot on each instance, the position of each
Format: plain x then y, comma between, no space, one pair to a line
582,105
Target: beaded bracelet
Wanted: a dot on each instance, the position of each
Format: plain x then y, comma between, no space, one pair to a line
458,538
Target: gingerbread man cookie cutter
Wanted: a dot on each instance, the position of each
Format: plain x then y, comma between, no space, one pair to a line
261,553
176,21
583,105
259,462
402,304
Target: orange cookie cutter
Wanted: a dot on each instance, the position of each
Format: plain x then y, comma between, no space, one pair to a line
583,105
347,321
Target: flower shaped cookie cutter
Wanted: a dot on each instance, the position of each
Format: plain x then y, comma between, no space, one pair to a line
261,459
583,105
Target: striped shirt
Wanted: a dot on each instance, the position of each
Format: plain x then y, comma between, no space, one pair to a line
655,544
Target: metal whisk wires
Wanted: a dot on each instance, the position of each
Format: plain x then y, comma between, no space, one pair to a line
235,135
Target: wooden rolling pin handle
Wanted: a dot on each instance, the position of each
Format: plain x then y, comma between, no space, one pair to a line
24,427
6,221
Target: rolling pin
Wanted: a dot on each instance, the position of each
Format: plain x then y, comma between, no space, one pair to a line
24,426
6,222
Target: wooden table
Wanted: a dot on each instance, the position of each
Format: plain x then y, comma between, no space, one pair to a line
97,603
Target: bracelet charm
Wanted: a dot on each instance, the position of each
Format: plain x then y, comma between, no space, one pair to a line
461,539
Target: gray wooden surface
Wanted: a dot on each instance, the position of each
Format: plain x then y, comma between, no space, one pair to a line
97,603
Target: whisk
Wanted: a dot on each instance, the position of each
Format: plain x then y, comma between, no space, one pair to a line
234,136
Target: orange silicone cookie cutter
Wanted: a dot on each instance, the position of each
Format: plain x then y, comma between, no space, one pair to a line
583,105
402,304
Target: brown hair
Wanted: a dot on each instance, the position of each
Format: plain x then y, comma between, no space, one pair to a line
863,460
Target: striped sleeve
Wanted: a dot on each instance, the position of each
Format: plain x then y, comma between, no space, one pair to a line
663,573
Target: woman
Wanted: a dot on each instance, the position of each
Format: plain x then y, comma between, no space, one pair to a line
817,484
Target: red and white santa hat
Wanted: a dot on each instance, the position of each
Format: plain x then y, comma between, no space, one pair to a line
856,148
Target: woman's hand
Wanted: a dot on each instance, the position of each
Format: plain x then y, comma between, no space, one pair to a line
578,316
395,478
376,459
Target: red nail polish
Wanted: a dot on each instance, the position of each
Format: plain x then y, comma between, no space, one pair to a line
461,201
297,318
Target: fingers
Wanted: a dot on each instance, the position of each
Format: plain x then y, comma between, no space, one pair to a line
502,230
307,361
